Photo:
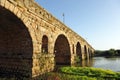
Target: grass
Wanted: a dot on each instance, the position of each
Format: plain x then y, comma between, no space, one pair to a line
91,72
81,73
62,76
78,73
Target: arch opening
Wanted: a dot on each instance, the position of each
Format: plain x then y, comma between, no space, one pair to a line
44,44
62,51
85,51
16,48
78,50
90,53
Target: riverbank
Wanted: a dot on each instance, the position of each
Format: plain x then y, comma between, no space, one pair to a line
107,53
77,73
81,73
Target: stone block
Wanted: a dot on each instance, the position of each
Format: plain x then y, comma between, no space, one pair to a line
15,10
2,2
19,13
11,8
7,4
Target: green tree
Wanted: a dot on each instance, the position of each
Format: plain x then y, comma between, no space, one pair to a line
112,52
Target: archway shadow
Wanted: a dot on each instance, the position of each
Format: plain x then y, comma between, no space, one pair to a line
62,51
78,52
16,48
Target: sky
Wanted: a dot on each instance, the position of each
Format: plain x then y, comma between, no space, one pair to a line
97,21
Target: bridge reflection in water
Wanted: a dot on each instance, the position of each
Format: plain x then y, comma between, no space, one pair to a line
101,62
85,63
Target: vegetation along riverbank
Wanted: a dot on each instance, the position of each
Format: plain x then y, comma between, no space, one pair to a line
81,73
77,73
107,53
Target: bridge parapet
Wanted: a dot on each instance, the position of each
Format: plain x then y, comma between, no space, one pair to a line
37,10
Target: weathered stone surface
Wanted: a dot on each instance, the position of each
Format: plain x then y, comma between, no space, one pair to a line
24,52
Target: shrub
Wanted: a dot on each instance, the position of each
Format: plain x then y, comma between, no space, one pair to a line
62,76
90,72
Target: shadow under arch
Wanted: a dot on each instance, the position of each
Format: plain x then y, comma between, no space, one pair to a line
78,50
85,51
16,48
62,51
44,48
89,54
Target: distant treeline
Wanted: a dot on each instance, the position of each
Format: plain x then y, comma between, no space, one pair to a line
107,53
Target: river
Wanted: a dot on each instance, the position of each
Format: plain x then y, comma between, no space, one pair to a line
102,62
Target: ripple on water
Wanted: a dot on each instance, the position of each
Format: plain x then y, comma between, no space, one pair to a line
107,63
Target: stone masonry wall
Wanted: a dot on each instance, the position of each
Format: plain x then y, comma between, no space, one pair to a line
39,23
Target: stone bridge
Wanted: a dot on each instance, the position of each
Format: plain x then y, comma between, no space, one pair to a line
33,42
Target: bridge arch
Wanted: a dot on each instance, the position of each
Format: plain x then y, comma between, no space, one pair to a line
90,53
16,48
62,50
78,50
44,48
85,51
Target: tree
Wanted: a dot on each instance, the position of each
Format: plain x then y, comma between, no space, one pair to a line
112,52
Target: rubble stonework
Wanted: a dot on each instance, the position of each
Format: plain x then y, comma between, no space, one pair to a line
22,49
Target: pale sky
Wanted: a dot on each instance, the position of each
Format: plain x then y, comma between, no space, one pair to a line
97,21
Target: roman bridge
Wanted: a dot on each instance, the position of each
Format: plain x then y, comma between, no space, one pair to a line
32,41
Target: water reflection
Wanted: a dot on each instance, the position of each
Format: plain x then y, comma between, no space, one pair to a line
101,62
107,63
85,63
